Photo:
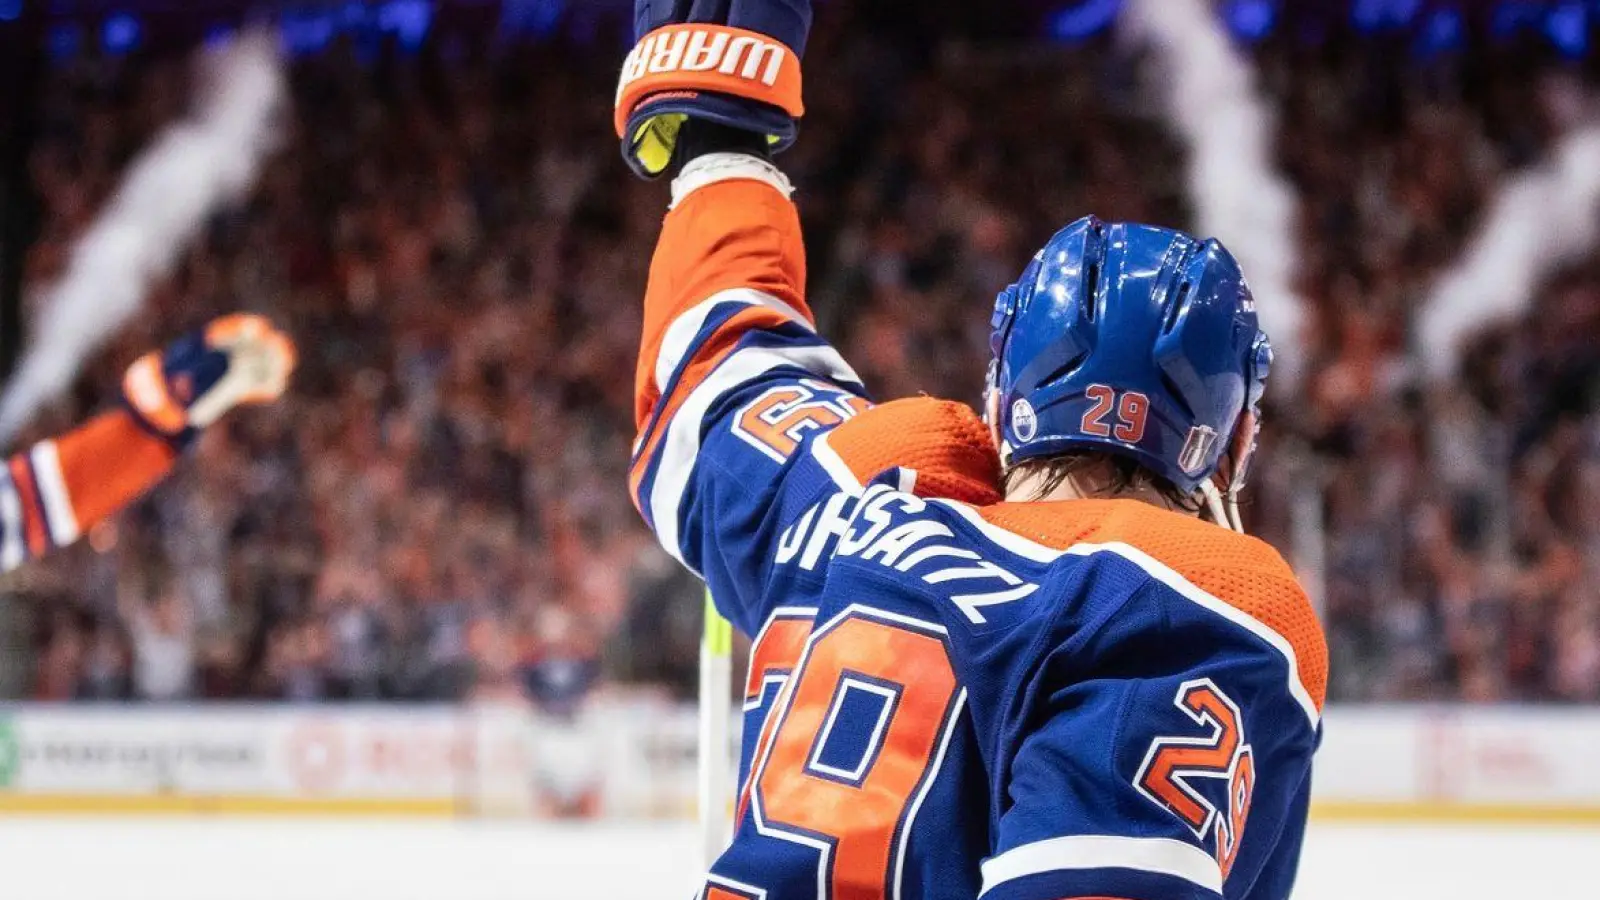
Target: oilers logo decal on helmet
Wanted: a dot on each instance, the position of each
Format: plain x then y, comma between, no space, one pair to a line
1159,315
1024,424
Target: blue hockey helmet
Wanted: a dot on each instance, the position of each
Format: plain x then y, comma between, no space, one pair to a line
1132,340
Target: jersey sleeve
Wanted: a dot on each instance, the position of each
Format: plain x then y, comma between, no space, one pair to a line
1169,768
742,408
1277,878
59,488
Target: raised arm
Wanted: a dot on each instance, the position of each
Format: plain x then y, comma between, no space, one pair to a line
733,384
747,419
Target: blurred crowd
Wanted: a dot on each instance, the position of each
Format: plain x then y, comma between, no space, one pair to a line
440,510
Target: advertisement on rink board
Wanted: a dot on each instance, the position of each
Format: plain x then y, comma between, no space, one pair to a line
468,760
635,758
1528,763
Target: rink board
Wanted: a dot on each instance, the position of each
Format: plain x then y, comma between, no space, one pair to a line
1515,765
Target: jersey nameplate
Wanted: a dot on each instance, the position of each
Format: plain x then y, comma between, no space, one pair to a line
894,530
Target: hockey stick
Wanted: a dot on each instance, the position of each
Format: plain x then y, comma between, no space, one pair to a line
716,713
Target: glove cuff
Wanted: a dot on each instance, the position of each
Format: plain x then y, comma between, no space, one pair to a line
152,406
682,61
713,168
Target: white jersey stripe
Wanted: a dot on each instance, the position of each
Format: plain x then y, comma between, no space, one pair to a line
57,502
1171,578
11,538
1166,575
1014,543
1161,856
832,463
680,335
715,168
682,443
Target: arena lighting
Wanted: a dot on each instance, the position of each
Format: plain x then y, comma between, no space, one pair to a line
1431,26
218,35
1438,25
536,17
120,33
1373,15
1568,28
10,10
1441,33
1084,19
1251,20
64,41
407,20
1512,16
307,31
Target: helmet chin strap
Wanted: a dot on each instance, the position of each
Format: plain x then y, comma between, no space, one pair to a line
1223,512
1225,506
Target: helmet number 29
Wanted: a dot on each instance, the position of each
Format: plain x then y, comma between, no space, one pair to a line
1132,409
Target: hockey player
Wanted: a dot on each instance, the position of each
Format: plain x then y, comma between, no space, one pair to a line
1091,687
60,488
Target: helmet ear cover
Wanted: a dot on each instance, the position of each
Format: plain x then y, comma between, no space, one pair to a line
1247,435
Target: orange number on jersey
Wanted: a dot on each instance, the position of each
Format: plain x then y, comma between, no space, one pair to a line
774,652
773,656
855,811
1133,411
1172,761
775,422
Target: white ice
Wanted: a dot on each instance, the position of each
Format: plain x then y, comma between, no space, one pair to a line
222,859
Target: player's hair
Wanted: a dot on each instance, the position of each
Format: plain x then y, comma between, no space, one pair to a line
1110,475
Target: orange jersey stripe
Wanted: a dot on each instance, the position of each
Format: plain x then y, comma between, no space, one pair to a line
707,358
34,530
733,234
1241,571
108,462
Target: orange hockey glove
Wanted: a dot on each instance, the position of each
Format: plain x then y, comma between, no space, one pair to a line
235,360
735,63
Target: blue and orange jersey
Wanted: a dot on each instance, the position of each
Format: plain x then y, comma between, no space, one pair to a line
57,489
950,696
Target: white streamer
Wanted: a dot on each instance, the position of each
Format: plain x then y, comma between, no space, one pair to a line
1239,197
194,167
1540,221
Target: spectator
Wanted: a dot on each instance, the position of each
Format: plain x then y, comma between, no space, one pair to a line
440,512
164,647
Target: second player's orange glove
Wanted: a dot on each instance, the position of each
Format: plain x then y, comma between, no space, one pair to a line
235,360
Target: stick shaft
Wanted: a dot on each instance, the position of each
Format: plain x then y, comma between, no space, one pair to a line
716,713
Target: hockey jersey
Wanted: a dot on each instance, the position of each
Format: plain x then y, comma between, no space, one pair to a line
57,489
949,696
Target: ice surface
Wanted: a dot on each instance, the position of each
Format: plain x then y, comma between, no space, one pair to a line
221,859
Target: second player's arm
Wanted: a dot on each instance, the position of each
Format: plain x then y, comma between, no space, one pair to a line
54,491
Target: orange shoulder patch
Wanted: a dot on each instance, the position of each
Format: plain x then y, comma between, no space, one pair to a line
945,442
1241,571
